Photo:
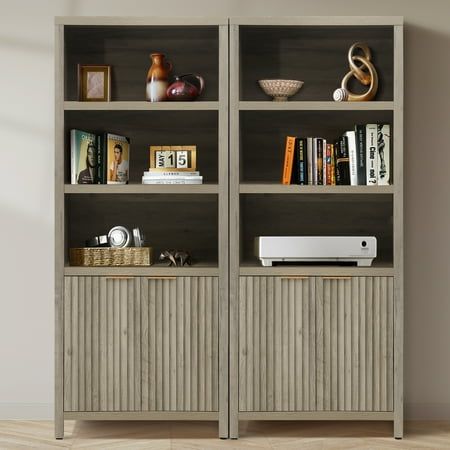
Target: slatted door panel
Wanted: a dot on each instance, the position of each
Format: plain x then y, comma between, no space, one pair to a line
101,344
179,326
141,344
316,344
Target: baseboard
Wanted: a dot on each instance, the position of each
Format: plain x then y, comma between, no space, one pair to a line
427,411
26,411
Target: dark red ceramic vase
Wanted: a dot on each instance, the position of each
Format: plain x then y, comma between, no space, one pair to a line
186,87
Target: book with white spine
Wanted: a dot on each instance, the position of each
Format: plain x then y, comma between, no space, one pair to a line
371,154
351,138
383,154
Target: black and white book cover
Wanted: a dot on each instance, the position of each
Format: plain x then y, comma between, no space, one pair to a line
351,140
383,153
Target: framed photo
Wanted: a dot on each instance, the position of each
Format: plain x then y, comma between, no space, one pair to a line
173,158
94,83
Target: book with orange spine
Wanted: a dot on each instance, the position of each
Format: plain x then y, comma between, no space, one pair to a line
288,160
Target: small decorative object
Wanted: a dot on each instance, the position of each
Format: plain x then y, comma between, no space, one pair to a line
186,87
115,150
280,90
364,72
173,158
176,258
94,83
119,237
157,78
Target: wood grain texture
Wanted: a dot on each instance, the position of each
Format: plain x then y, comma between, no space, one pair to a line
316,343
141,326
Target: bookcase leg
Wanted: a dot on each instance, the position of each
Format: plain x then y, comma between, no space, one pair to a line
59,427
398,428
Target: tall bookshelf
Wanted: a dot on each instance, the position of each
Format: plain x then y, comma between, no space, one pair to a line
143,343
313,342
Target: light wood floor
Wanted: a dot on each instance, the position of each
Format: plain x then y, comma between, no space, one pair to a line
202,435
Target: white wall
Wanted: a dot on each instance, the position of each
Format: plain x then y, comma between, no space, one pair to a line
26,185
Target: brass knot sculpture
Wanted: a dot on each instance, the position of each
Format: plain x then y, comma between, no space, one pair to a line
363,70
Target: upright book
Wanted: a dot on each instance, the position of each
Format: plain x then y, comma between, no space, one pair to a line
352,157
288,160
301,165
360,135
383,153
115,156
342,161
83,158
371,154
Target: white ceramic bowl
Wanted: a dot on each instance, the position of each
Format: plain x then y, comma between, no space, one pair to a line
280,90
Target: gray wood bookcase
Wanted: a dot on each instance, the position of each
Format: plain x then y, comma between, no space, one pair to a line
144,343
228,339
309,342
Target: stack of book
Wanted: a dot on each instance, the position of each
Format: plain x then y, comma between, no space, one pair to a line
170,177
172,164
358,157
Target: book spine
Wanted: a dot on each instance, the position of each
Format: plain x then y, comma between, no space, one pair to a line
288,160
314,161
351,140
319,161
333,165
342,162
328,165
302,169
324,161
73,151
360,136
309,159
383,154
371,154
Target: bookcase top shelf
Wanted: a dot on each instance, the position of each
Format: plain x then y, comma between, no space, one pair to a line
315,106
141,106
319,21
141,188
278,188
141,21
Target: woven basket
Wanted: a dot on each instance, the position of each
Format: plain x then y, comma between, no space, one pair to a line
106,256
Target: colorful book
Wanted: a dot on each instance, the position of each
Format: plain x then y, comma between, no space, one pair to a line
371,154
84,157
319,163
352,157
342,162
383,153
301,161
328,166
115,154
288,160
360,133
333,165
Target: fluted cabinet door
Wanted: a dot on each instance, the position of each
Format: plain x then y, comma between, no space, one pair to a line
316,344
141,344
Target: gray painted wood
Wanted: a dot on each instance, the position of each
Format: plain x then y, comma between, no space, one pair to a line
139,319
60,288
398,230
140,21
326,339
199,105
262,105
319,21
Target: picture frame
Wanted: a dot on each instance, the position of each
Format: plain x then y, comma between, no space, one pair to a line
173,158
94,83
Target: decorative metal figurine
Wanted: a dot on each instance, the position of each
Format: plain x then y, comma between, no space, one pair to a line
176,258
364,72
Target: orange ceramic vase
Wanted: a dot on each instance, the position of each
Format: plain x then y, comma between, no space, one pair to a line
157,78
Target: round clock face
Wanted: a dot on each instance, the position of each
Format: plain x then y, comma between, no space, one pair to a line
119,237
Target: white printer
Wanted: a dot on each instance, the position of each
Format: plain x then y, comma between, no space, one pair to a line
349,249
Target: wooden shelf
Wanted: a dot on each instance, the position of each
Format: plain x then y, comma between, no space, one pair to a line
278,188
141,188
141,106
201,269
315,106
376,270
